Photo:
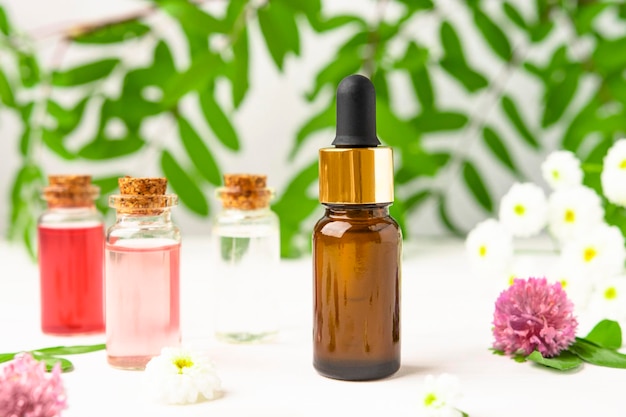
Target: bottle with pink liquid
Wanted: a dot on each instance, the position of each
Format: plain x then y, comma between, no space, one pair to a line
70,236
142,264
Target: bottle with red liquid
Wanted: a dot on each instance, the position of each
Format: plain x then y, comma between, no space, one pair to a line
70,252
142,274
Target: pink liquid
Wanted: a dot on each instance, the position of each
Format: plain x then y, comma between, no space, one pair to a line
70,270
142,301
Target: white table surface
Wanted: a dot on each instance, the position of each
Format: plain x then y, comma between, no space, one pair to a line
446,318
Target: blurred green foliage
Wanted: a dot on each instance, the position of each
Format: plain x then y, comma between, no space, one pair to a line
510,33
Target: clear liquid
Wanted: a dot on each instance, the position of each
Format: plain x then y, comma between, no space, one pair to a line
142,300
246,304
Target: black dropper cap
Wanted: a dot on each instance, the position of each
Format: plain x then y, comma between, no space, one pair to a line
356,113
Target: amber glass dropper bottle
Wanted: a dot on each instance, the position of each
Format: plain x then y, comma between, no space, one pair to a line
356,247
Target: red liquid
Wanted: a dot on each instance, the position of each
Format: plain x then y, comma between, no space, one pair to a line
71,273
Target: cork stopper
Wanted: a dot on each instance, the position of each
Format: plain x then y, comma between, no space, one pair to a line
245,192
70,191
143,196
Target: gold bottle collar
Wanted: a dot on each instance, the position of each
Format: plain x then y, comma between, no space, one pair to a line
356,175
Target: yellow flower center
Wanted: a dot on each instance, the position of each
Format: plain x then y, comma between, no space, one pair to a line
589,254
555,174
511,280
430,399
570,216
183,362
622,164
563,283
482,251
519,210
610,293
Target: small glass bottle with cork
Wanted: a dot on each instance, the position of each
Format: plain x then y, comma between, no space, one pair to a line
246,249
70,254
142,274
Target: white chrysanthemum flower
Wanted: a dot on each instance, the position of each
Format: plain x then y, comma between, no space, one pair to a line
599,253
573,280
180,376
439,396
573,211
489,247
561,169
524,209
613,176
609,299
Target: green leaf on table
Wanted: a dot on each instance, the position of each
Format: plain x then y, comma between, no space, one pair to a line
598,355
477,186
6,93
607,334
565,361
112,33
510,108
69,350
493,34
84,74
497,147
218,121
203,68
187,189
199,153
51,361
280,31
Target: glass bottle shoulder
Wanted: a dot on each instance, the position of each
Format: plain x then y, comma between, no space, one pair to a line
141,228
342,223
261,221
74,217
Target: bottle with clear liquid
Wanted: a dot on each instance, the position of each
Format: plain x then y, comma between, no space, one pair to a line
70,235
246,251
142,274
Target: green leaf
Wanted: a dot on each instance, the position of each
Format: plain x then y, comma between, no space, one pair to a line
451,43
219,122
325,119
5,26
609,57
293,206
497,147
442,210
69,350
414,5
347,62
29,69
585,16
581,125
55,141
192,18
559,96
470,79
477,186
394,131
514,15
67,119
435,121
597,355
203,69
107,184
540,31
188,191
240,63
102,148
234,12
199,153
607,334
509,107
324,25
280,31
84,74
6,94
417,199
495,37
423,88
50,361
565,361
113,33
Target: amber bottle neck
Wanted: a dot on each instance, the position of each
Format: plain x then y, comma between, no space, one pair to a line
357,211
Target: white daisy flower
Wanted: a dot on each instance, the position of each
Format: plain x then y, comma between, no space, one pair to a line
180,376
489,248
524,209
573,211
561,169
599,253
613,176
608,300
439,396
573,280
